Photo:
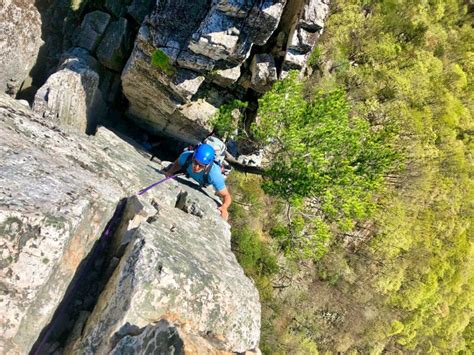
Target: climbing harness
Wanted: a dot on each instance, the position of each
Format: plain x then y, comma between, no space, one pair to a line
142,191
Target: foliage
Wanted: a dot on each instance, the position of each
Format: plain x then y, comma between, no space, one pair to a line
321,153
253,251
409,65
160,60
393,79
225,122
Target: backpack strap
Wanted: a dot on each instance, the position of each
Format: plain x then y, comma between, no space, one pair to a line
187,163
205,178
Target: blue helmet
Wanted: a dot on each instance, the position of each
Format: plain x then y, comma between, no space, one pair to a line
204,154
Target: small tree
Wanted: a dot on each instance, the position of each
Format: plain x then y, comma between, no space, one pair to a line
322,154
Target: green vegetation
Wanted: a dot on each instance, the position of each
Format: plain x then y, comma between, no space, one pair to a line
226,121
392,245
320,154
254,252
160,60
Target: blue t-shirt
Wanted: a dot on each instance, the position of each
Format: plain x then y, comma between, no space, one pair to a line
215,177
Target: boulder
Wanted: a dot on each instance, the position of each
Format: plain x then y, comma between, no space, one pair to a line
305,34
264,72
113,50
92,30
69,96
314,14
20,42
227,77
263,20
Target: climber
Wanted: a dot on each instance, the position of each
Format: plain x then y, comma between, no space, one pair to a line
199,165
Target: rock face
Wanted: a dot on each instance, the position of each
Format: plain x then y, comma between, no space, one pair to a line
177,271
211,49
20,41
57,193
92,30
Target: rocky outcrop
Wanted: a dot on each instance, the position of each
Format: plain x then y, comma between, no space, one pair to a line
70,96
58,192
178,65
20,42
304,34
175,269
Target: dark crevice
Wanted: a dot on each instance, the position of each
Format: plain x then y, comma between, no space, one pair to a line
83,292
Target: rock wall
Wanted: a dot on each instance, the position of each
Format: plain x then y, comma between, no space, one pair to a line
190,57
58,191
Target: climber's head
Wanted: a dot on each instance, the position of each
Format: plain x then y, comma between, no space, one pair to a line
202,157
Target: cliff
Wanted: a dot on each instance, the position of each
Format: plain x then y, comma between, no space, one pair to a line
63,195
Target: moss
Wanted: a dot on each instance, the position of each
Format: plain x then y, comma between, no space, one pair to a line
56,222
15,229
11,224
160,60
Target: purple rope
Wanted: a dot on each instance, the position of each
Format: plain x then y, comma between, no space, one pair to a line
142,191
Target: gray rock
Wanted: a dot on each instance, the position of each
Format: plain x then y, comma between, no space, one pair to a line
69,96
295,60
92,30
193,61
24,103
255,159
235,8
110,86
263,20
58,190
186,83
162,338
226,77
305,35
206,52
188,205
303,40
118,8
217,37
138,9
314,14
183,269
20,41
114,47
51,213
264,72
